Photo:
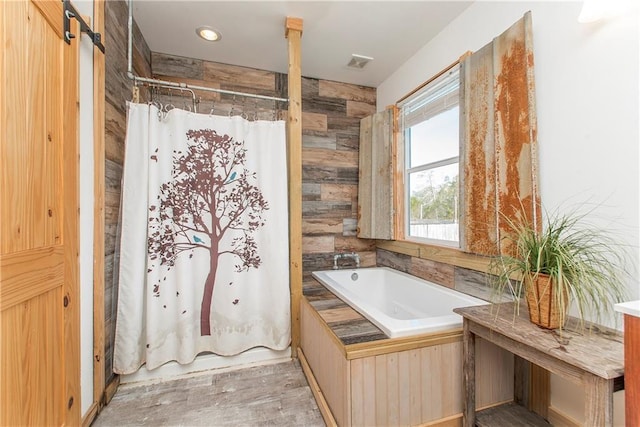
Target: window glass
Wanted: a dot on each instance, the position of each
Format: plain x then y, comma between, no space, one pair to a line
434,139
430,120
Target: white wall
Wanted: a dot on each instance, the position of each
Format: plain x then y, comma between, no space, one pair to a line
587,96
85,7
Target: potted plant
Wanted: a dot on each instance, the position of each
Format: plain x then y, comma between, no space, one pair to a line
567,261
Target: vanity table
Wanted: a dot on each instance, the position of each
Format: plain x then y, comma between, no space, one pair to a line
593,359
631,311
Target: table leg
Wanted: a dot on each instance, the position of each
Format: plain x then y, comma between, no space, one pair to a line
469,376
598,401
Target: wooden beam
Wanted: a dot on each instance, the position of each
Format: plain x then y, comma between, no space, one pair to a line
293,33
98,208
292,24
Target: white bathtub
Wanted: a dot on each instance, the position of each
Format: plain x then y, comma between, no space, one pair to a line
399,304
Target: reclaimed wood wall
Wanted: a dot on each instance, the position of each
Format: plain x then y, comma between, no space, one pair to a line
468,281
117,92
331,114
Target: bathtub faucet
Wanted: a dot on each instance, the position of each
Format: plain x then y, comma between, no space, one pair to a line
352,255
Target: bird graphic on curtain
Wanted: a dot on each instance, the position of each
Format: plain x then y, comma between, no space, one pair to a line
210,193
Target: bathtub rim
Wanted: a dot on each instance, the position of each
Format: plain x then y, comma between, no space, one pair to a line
402,333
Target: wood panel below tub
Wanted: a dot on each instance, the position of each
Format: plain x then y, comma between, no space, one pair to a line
366,378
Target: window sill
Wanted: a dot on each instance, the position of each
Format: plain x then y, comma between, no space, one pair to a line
443,254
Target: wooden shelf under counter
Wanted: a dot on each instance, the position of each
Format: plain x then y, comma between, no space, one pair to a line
591,357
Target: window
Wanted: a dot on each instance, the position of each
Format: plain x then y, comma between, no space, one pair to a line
431,127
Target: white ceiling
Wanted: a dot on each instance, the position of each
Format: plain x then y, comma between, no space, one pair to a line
253,33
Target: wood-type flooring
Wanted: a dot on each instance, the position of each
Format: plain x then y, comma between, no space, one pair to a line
267,395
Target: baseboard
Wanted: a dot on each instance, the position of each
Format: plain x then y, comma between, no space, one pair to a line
90,416
452,421
110,390
315,389
207,363
559,419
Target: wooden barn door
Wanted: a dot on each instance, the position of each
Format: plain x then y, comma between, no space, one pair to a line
39,323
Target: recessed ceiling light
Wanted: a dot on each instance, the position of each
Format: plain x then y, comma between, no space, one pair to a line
208,33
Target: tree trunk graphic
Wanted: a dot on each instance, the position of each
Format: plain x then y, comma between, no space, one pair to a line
209,204
207,296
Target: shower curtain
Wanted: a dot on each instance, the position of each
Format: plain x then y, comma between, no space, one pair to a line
204,245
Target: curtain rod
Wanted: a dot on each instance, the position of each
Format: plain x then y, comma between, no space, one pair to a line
169,84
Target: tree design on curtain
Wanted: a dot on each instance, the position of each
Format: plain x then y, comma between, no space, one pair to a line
209,197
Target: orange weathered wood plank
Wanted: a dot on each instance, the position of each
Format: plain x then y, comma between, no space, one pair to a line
499,135
632,369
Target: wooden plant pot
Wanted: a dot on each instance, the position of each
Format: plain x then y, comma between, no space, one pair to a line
542,302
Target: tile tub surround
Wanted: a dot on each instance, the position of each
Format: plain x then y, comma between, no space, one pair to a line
365,378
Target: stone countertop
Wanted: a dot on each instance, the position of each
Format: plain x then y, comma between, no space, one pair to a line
631,308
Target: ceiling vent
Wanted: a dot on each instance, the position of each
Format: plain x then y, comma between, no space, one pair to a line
358,61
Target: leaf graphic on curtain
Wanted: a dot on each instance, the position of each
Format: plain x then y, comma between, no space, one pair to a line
208,197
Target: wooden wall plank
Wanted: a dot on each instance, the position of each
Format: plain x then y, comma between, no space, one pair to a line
360,109
382,400
327,363
404,396
375,190
314,122
99,237
260,79
416,393
334,89
317,392
494,374
334,158
433,271
317,244
365,180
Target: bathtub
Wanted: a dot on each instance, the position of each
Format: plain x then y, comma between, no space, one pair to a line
399,304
